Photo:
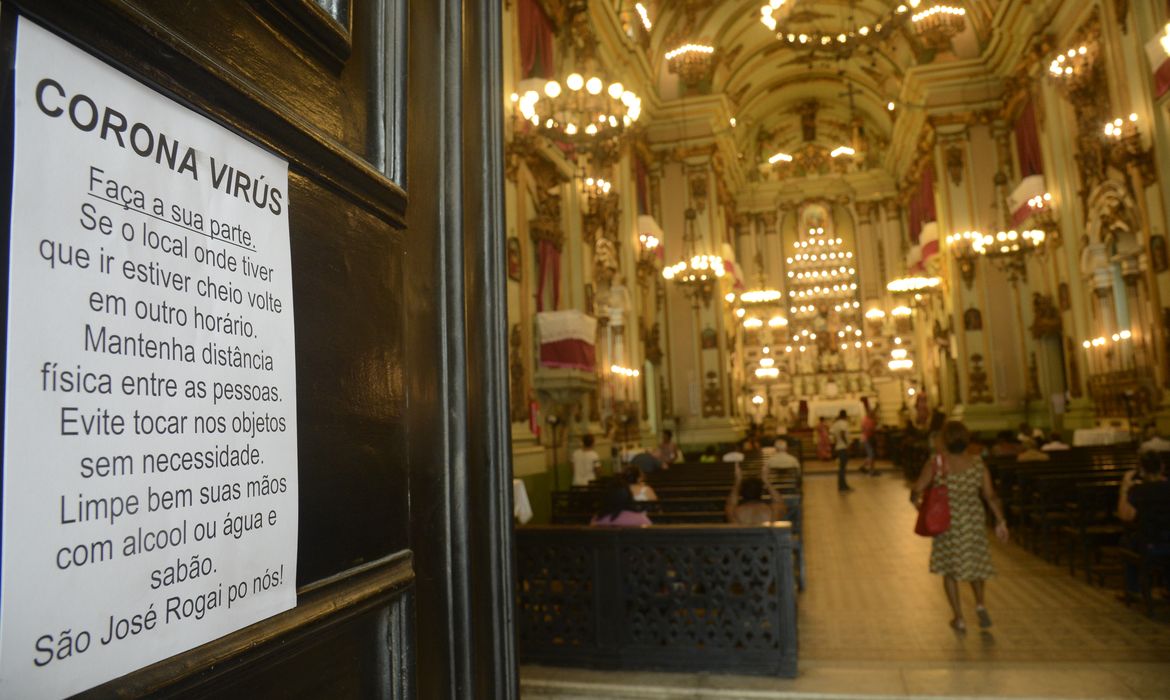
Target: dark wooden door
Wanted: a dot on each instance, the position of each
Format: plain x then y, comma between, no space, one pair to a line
388,114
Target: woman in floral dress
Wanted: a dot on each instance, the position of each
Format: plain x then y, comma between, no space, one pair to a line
961,553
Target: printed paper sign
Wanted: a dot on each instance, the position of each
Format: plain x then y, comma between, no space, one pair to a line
150,456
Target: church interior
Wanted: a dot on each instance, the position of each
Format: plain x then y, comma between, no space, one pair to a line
734,221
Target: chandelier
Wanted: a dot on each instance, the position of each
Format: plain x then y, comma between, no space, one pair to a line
913,285
841,42
936,26
1008,249
579,111
698,274
693,63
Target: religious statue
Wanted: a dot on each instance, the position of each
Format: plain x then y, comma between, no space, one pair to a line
605,263
618,302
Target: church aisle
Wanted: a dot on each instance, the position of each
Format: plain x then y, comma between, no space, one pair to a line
870,595
873,623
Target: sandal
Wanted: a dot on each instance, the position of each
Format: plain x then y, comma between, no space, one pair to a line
959,626
984,617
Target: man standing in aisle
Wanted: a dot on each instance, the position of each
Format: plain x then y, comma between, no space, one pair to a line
840,434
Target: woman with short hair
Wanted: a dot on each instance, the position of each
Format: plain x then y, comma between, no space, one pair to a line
961,553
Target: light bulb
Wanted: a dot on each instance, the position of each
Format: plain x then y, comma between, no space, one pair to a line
552,88
575,82
593,87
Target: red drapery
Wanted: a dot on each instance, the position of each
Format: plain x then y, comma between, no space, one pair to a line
536,41
1028,142
921,209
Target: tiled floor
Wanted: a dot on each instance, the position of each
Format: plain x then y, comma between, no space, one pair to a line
873,623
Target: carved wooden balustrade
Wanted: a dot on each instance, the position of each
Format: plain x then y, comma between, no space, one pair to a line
669,597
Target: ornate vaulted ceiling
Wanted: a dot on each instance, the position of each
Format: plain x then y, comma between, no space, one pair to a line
779,87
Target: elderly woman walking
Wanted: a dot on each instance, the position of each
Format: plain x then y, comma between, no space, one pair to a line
961,553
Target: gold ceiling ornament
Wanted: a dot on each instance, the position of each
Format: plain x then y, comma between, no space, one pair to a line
693,62
937,25
582,110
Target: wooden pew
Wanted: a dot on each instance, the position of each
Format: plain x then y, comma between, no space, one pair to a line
713,598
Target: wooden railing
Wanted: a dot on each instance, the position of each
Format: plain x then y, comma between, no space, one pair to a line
716,598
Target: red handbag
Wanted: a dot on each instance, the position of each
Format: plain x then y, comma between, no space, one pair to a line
934,513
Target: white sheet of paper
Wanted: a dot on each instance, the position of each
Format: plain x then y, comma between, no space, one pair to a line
150,455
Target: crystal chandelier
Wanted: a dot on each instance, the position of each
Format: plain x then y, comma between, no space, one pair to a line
697,274
940,20
1010,250
913,285
692,62
580,111
843,41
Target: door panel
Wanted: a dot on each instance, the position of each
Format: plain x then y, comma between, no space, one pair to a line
389,489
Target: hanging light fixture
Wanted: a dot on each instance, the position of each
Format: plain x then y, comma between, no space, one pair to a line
937,25
578,110
696,273
693,62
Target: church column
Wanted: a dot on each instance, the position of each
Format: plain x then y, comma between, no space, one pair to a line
869,261
698,328
981,299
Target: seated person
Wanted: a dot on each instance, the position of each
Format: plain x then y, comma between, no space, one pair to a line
745,504
646,462
781,459
1030,453
618,508
1152,441
709,456
1005,445
1027,432
1055,444
736,454
668,451
636,482
1144,499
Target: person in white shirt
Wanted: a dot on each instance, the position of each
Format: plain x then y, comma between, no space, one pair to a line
586,462
839,432
781,459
